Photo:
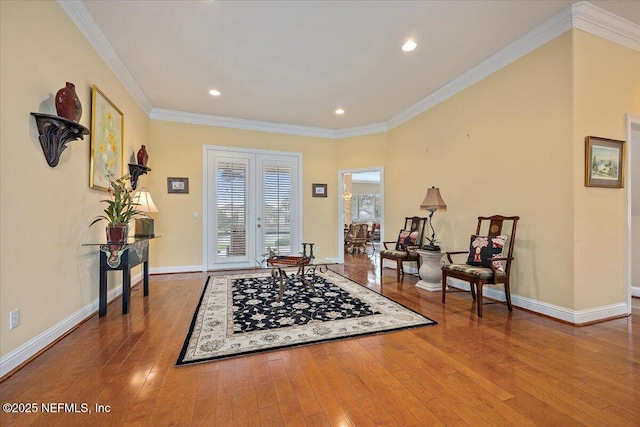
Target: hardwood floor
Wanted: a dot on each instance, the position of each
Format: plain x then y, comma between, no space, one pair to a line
504,369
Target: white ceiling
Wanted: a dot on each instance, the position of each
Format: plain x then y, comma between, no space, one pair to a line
295,62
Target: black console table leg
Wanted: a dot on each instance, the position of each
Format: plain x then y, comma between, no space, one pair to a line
126,290
145,277
102,299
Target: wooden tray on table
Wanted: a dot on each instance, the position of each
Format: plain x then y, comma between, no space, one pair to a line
288,260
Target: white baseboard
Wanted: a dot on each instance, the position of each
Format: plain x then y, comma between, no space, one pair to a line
572,316
635,291
179,269
29,349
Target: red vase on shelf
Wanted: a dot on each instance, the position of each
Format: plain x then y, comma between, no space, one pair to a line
143,156
68,104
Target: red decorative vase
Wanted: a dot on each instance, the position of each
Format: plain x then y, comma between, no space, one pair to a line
68,104
143,157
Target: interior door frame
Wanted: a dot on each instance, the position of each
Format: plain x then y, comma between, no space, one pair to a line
341,205
206,191
633,123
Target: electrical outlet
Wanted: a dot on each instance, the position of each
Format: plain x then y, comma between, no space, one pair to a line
14,319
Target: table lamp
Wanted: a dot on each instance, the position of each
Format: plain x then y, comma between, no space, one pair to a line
432,202
144,226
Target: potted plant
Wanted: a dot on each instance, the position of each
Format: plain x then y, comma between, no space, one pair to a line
121,208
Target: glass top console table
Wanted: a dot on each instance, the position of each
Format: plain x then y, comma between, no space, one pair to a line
123,257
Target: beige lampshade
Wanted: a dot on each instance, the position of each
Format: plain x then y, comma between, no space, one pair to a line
145,202
433,200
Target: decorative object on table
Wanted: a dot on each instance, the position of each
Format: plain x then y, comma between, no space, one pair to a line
408,242
68,104
288,260
178,185
339,308
604,162
270,253
121,209
143,156
432,202
107,132
486,265
144,225
54,134
319,190
304,249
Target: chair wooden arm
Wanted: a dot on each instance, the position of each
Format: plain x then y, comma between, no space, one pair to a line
385,244
448,254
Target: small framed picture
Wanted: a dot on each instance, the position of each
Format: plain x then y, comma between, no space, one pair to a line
319,190
604,162
178,185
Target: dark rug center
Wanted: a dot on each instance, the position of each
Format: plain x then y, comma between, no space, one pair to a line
255,306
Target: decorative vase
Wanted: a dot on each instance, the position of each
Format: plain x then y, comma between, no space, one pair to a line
68,104
143,156
117,233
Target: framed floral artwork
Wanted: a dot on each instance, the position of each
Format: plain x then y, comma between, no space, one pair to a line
107,129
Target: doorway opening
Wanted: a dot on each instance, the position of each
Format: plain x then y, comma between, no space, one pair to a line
252,203
361,201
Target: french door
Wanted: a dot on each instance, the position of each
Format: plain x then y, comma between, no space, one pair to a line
253,203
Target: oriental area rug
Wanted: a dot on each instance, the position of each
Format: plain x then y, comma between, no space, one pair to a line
240,314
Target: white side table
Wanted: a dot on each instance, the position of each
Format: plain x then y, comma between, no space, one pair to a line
430,272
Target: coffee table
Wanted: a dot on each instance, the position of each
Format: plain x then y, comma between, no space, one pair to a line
305,272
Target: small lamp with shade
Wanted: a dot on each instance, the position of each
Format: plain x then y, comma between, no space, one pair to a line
144,226
432,202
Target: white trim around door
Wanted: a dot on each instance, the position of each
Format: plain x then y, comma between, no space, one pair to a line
249,197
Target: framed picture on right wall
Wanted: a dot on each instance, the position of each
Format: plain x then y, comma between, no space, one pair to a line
604,162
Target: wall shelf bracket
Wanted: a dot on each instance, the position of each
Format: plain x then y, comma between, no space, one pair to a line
55,132
135,171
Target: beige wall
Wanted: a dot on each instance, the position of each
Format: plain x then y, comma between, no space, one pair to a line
45,212
606,85
176,150
499,147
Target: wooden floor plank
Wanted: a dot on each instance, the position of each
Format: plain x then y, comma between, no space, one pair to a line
504,369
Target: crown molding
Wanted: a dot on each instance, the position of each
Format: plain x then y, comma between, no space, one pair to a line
79,14
361,130
583,16
532,40
599,22
236,123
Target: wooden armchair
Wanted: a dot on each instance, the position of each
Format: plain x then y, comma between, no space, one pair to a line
356,238
486,264
409,239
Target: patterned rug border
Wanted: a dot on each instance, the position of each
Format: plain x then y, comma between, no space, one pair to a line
181,362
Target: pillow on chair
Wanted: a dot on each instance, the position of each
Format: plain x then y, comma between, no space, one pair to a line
483,248
406,238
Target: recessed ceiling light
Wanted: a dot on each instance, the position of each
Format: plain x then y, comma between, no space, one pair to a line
409,46
214,92
339,111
